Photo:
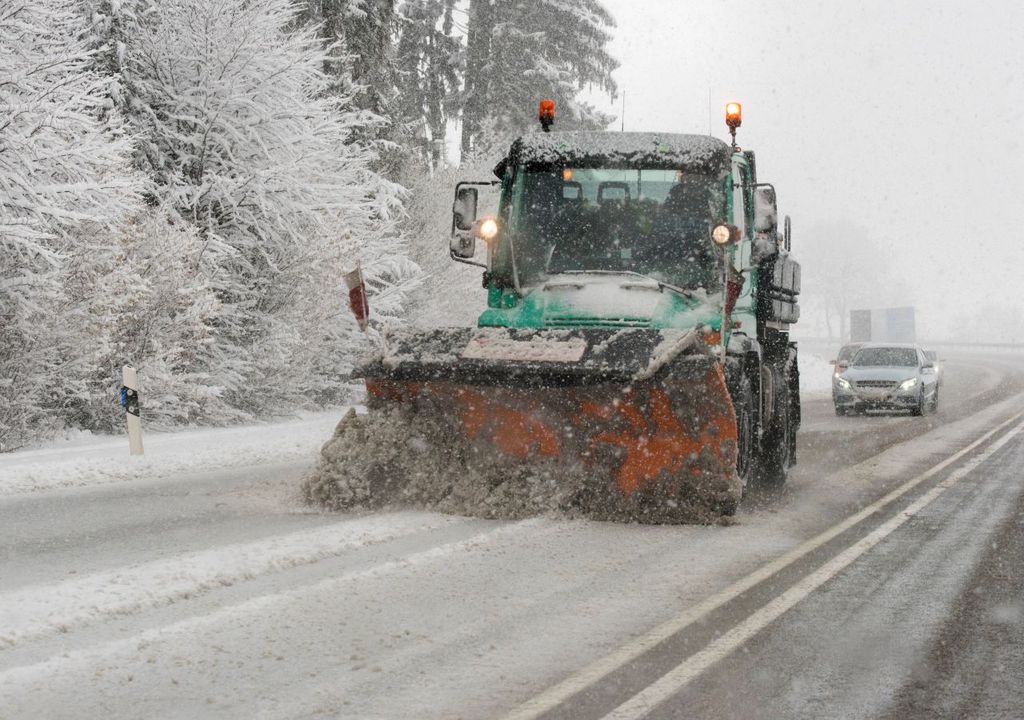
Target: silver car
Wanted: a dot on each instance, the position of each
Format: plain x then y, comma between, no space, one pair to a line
887,376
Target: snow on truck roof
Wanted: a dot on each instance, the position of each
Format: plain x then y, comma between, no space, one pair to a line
698,153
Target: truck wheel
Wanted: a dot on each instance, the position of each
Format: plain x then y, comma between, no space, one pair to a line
775,447
746,432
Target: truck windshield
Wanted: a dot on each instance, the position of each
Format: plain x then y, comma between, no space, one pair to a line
655,222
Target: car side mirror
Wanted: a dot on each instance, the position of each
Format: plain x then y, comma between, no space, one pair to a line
928,366
787,233
766,213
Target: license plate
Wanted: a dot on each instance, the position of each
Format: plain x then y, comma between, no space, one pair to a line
534,349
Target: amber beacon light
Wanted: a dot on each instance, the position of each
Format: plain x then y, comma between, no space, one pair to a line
733,118
546,114
734,114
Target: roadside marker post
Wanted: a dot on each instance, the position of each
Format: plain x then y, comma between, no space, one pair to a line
357,299
130,403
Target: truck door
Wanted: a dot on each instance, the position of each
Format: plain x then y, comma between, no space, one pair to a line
741,202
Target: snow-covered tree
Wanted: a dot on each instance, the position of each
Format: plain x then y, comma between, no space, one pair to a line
430,60
141,297
358,35
362,31
247,140
64,180
519,52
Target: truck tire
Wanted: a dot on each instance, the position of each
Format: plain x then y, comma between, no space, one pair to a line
776,444
746,432
774,460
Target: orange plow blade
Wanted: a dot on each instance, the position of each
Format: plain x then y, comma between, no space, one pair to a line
645,447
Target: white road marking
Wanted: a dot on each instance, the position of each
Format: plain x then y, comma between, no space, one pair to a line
673,681
586,677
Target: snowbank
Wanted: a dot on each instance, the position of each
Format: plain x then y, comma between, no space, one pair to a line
92,460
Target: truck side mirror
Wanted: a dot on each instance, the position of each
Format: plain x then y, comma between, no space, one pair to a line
766,214
463,241
463,244
464,209
465,224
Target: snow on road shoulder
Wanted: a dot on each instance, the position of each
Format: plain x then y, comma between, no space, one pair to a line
35,610
481,541
103,460
815,375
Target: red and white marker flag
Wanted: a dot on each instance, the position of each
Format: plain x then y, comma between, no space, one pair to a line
357,299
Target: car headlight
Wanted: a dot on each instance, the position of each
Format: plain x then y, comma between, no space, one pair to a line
908,384
843,383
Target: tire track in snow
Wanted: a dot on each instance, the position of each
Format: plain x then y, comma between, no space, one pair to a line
21,676
35,610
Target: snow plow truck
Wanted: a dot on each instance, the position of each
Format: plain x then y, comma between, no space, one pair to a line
633,361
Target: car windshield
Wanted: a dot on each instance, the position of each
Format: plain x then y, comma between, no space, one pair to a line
846,352
886,357
655,222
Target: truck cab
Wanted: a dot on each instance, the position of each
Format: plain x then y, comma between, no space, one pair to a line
614,230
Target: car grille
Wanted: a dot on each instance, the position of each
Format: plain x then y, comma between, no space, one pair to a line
877,384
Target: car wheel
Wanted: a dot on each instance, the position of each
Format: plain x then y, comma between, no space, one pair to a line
919,408
841,411
935,400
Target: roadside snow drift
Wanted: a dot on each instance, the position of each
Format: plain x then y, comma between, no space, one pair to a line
105,460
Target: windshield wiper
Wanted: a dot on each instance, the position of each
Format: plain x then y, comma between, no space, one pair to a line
661,284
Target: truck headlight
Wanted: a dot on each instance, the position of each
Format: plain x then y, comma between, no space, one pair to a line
725,234
486,228
909,384
843,383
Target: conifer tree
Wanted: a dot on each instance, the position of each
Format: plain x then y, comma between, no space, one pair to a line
519,52
430,59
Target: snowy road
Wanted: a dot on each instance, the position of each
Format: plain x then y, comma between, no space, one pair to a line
884,582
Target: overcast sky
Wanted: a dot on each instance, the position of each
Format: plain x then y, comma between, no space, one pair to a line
900,116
